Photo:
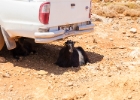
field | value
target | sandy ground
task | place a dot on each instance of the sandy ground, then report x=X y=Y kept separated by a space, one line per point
x=113 y=73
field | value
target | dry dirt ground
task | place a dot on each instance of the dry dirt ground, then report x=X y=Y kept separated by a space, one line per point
x=113 y=74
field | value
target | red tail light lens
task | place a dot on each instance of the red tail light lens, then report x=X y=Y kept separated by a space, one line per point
x=44 y=13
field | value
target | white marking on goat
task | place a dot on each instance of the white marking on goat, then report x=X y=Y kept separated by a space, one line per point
x=81 y=58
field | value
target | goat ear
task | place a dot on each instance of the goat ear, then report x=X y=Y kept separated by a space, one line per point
x=65 y=44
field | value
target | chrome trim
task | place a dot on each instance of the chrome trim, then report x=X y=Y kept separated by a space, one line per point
x=49 y=34
x=69 y=33
x=85 y=27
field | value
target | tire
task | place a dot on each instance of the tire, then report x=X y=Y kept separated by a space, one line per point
x=1 y=40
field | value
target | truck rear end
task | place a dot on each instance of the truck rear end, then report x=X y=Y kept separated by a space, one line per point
x=63 y=18
x=43 y=20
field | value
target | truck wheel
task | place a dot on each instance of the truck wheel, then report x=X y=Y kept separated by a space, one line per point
x=1 y=40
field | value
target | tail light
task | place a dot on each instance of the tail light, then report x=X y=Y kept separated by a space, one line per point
x=90 y=9
x=44 y=13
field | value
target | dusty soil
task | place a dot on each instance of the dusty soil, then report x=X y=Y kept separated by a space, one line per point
x=113 y=74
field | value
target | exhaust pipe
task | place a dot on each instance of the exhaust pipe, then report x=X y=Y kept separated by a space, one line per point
x=85 y=27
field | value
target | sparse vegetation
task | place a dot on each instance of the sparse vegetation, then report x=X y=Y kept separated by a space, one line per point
x=116 y=9
x=132 y=13
x=132 y=5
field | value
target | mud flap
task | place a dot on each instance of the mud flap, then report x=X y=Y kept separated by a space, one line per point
x=10 y=43
x=1 y=40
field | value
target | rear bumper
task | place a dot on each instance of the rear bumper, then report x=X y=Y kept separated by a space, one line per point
x=46 y=37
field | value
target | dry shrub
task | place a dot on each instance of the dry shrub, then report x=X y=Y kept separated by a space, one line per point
x=111 y=13
x=118 y=8
x=99 y=12
x=106 y=12
x=132 y=13
x=132 y=5
x=115 y=9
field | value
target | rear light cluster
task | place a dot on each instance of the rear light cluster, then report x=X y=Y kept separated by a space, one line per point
x=44 y=13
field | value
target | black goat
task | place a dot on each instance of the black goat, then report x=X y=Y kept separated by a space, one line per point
x=70 y=56
x=23 y=48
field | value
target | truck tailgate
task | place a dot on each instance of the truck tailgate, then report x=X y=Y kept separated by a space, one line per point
x=69 y=11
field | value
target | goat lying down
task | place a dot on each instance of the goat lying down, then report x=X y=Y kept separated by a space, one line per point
x=69 y=56
x=23 y=48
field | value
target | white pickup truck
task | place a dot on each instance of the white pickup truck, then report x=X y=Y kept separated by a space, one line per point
x=42 y=20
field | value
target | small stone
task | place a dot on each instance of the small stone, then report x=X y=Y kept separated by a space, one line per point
x=2 y=60
x=86 y=41
x=52 y=75
x=138 y=20
x=115 y=27
x=80 y=37
x=138 y=2
x=90 y=47
x=42 y=72
x=129 y=97
x=135 y=53
x=109 y=75
x=95 y=17
x=94 y=41
x=131 y=67
x=50 y=87
x=68 y=97
x=133 y=30
x=70 y=84
x=110 y=39
x=11 y=88
x=123 y=32
x=121 y=47
x=6 y=75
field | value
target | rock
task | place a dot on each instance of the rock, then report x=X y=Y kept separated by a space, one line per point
x=96 y=17
x=138 y=2
x=129 y=97
x=131 y=67
x=133 y=30
x=2 y=60
x=42 y=72
x=68 y=97
x=94 y=41
x=102 y=34
x=6 y=75
x=90 y=47
x=120 y=47
x=80 y=37
x=135 y=53
x=110 y=39
x=11 y=88
x=123 y=32
x=138 y=20
x=86 y=41
x=70 y=84
x=107 y=20
x=52 y=75
x=115 y=27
